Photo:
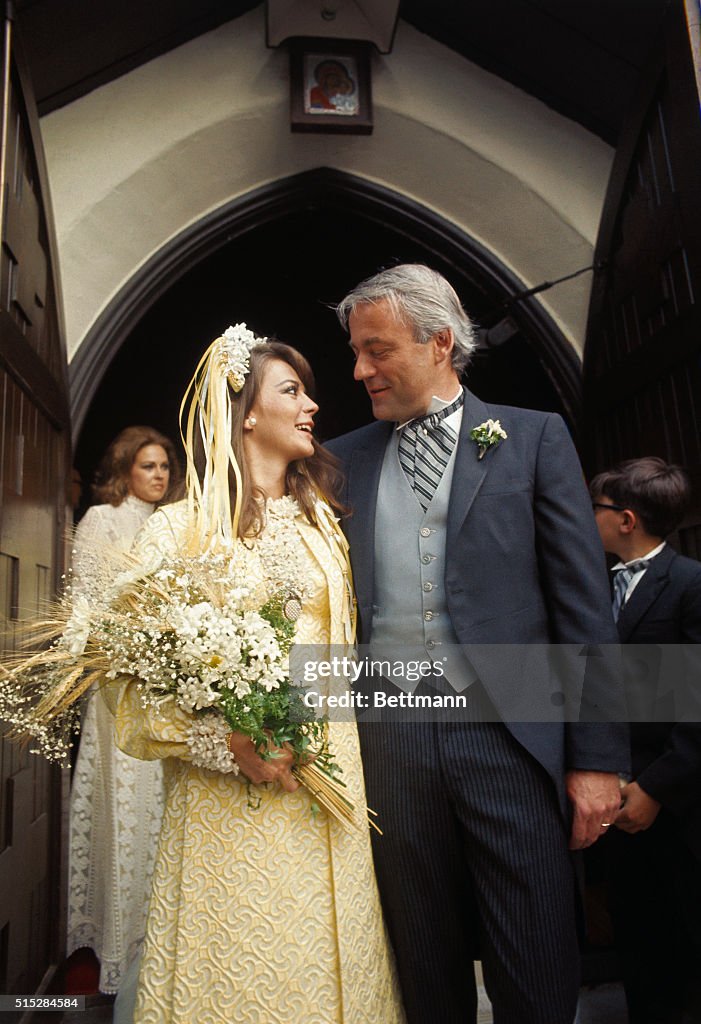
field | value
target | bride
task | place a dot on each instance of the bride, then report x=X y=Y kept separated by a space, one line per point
x=267 y=913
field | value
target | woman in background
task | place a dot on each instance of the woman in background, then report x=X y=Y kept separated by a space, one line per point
x=116 y=801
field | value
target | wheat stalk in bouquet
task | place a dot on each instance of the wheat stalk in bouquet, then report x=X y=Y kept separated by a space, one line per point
x=184 y=634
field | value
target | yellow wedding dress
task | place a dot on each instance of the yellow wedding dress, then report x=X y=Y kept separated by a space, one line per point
x=266 y=916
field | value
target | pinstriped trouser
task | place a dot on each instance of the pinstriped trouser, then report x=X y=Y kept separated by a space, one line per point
x=473 y=863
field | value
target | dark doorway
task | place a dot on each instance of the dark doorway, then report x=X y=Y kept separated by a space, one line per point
x=281 y=277
x=642 y=368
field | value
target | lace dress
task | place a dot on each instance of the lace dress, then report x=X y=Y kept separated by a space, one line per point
x=116 y=801
x=259 y=916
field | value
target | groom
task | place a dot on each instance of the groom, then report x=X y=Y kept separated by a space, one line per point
x=449 y=548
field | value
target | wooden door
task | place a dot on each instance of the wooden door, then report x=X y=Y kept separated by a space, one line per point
x=642 y=366
x=34 y=462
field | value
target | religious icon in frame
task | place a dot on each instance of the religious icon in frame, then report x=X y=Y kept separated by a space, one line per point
x=330 y=86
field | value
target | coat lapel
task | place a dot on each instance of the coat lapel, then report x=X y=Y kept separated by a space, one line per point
x=363 y=484
x=331 y=562
x=469 y=471
x=647 y=591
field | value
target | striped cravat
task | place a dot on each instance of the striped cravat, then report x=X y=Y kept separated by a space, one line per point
x=621 y=582
x=425 y=445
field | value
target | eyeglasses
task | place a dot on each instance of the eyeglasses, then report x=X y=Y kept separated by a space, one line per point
x=616 y=508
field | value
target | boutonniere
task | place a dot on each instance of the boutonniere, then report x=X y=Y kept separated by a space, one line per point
x=488 y=435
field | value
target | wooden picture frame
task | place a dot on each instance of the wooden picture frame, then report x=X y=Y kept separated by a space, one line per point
x=330 y=86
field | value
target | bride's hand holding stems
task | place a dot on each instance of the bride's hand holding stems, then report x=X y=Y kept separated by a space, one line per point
x=276 y=768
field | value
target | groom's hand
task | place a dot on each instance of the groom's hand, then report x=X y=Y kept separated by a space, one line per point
x=596 y=800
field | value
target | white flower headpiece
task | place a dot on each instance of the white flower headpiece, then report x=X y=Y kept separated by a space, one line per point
x=205 y=412
x=234 y=351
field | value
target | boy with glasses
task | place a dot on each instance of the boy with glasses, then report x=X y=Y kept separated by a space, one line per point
x=653 y=854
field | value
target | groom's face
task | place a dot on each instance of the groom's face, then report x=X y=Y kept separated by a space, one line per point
x=399 y=374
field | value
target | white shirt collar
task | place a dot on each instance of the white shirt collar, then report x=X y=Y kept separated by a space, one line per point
x=644 y=558
x=435 y=405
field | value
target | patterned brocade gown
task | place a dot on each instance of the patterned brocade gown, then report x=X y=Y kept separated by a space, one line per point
x=266 y=916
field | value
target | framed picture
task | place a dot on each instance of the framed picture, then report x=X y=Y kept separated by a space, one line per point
x=330 y=86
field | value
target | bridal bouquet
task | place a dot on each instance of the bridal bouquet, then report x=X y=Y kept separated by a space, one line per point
x=186 y=636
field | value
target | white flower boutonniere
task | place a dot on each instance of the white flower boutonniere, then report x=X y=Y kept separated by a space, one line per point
x=488 y=435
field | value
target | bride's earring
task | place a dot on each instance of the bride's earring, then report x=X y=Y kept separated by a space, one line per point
x=252 y=421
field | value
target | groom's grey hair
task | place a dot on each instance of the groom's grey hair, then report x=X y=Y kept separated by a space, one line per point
x=421 y=299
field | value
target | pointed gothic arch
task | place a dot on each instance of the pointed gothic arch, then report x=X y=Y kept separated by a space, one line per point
x=445 y=246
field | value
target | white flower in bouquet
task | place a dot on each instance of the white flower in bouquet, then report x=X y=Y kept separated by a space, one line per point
x=187 y=637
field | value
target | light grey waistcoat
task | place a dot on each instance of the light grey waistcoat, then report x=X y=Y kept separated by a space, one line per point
x=410 y=613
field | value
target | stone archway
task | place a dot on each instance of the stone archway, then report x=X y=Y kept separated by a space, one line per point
x=476 y=273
